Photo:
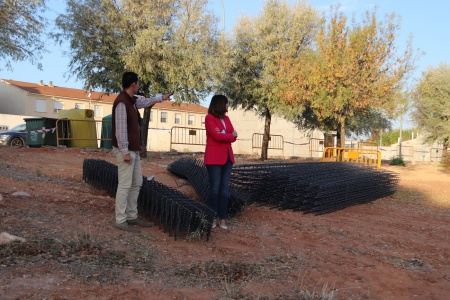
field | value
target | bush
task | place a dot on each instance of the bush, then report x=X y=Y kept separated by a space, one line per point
x=397 y=161
x=445 y=162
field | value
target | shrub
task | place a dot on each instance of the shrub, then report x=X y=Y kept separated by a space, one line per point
x=445 y=162
x=397 y=161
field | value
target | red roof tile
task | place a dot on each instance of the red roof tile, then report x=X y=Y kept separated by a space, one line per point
x=57 y=91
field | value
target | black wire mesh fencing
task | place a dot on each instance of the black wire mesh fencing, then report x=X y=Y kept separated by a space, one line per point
x=174 y=212
x=195 y=171
x=313 y=187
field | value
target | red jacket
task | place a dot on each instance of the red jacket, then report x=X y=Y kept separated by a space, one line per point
x=218 y=144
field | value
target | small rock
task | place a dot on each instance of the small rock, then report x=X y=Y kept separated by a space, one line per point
x=182 y=182
x=24 y=194
x=6 y=238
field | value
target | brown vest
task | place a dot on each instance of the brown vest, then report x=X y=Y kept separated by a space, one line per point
x=133 y=126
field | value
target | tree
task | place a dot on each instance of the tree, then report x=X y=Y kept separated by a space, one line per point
x=169 y=43
x=249 y=71
x=352 y=75
x=97 y=41
x=432 y=105
x=21 y=26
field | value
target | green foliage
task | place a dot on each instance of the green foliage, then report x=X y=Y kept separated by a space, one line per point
x=397 y=161
x=169 y=43
x=249 y=70
x=391 y=137
x=432 y=104
x=21 y=28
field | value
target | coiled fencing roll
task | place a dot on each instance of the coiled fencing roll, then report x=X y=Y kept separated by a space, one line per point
x=174 y=212
x=195 y=171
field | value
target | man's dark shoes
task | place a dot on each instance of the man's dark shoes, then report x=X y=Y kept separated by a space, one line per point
x=124 y=226
x=140 y=222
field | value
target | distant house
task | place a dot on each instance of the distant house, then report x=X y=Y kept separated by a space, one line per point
x=19 y=100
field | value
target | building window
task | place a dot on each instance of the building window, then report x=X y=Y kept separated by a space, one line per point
x=177 y=118
x=79 y=105
x=57 y=106
x=191 y=120
x=163 y=117
x=98 y=111
x=203 y=120
x=41 y=105
x=151 y=116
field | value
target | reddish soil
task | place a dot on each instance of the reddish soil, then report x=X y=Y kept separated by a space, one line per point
x=396 y=247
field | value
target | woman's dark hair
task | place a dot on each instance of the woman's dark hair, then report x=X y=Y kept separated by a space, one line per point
x=218 y=106
x=128 y=79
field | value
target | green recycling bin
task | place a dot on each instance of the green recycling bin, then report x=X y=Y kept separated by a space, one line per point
x=41 y=131
x=106 y=132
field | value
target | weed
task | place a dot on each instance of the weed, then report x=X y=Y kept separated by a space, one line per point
x=326 y=293
x=397 y=161
x=445 y=162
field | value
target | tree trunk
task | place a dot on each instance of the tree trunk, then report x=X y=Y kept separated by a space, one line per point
x=340 y=135
x=445 y=147
x=266 y=135
x=144 y=131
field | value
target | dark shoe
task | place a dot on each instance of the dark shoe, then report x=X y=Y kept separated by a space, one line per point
x=124 y=226
x=140 y=222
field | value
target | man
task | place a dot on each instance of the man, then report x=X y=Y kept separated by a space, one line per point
x=126 y=143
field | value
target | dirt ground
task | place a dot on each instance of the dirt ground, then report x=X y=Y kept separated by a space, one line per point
x=397 y=247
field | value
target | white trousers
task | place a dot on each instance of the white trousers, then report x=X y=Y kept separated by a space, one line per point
x=130 y=182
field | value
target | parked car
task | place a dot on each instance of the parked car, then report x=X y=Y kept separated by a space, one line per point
x=14 y=137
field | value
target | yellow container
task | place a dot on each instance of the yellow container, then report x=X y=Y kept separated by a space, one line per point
x=80 y=127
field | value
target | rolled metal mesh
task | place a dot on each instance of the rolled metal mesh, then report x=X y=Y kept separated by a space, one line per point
x=311 y=187
x=174 y=212
x=195 y=171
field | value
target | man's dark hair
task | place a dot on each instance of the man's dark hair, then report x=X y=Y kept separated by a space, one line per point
x=128 y=78
x=218 y=107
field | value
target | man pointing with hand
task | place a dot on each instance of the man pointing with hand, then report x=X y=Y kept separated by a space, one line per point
x=126 y=141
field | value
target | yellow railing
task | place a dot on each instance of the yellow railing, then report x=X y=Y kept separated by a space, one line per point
x=371 y=157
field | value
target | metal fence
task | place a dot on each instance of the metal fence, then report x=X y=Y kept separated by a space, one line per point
x=356 y=155
x=275 y=141
x=187 y=136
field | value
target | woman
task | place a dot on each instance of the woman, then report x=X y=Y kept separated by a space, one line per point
x=219 y=157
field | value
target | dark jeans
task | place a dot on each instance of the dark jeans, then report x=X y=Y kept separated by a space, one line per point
x=219 y=181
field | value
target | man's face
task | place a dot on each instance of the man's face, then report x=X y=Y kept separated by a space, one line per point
x=136 y=87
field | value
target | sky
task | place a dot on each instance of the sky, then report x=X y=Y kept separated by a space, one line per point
x=427 y=21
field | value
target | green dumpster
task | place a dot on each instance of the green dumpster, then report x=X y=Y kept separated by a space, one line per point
x=41 y=131
x=106 y=132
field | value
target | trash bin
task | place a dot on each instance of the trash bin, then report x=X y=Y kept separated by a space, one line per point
x=80 y=127
x=40 y=131
x=106 y=132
